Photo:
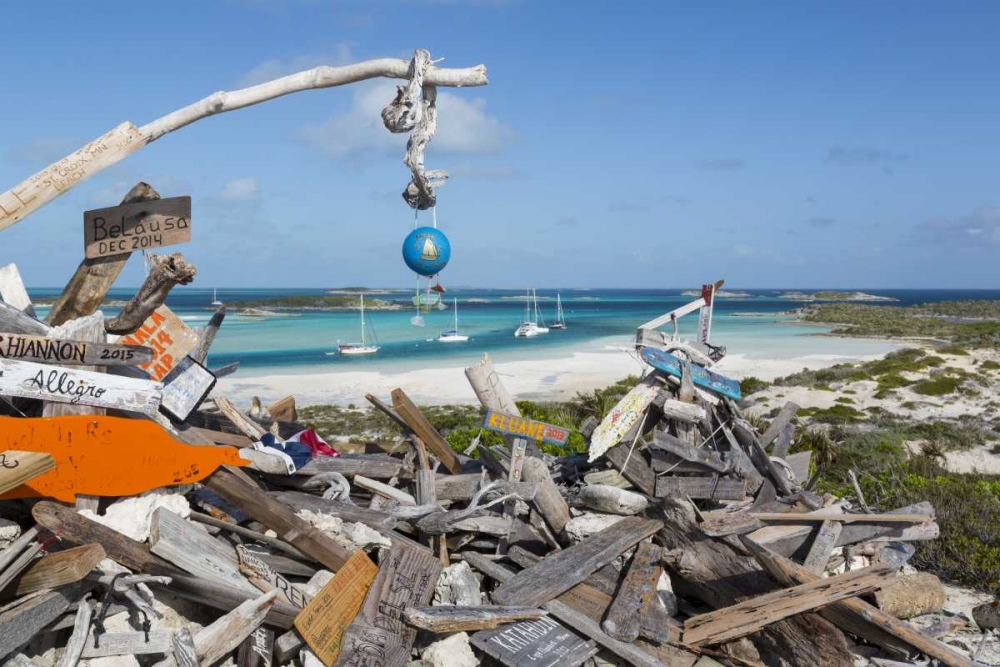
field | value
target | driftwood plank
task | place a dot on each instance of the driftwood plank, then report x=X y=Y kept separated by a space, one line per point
x=637 y=591
x=63 y=385
x=261 y=575
x=380 y=521
x=16 y=468
x=633 y=468
x=185 y=654
x=778 y=424
x=246 y=532
x=783 y=442
x=168 y=336
x=60 y=568
x=418 y=423
x=739 y=620
x=20 y=624
x=165 y=272
x=278 y=517
x=188 y=546
x=384 y=490
x=450 y=618
x=137 y=226
x=375 y=466
x=72 y=527
x=717 y=488
x=562 y=570
x=538 y=643
x=210 y=593
x=128 y=643
x=257 y=650
x=63 y=352
x=323 y=621
x=13 y=320
x=706 y=459
x=215 y=641
x=823 y=544
x=406 y=578
x=857 y=616
x=821 y=515
x=747 y=437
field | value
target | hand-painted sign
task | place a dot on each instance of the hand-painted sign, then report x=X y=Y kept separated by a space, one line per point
x=671 y=365
x=526 y=428
x=323 y=621
x=71 y=352
x=538 y=643
x=62 y=385
x=169 y=337
x=139 y=226
x=185 y=387
x=266 y=579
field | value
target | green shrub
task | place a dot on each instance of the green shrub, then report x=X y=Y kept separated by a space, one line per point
x=751 y=385
x=836 y=414
x=941 y=385
x=989 y=365
x=955 y=350
x=845 y=400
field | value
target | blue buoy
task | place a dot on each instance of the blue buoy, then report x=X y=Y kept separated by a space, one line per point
x=426 y=250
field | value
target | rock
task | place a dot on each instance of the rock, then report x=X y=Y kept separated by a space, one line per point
x=352 y=536
x=309 y=659
x=581 y=527
x=9 y=531
x=453 y=651
x=132 y=516
x=987 y=616
x=315 y=584
x=612 y=500
x=665 y=592
x=458 y=585
x=912 y=595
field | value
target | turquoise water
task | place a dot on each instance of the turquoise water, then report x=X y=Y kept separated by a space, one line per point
x=595 y=318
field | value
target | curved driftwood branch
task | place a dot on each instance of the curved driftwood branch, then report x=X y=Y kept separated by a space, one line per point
x=56 y=179
x=167 y=271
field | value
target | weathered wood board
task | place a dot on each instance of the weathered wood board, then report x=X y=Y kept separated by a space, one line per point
x=718 y=488
x=541 y=643
x=168 y=336
x=71 y=352
x=636 y=592
x=63 y=385
x=257 y=650
x=323 y=621
x=188 y=546
x=135 y=227
x=41 y=188
x=378 y=635
x=702 y=377
x=127 y=643
x=823 y=544
x=100 y=456
x=60 y=568
x=16 y=468
x=525 y=428
x=447 y=618
x=20 y=624
x=264 y=577
x=185 y=387
x=425 y=431
x=626 y=414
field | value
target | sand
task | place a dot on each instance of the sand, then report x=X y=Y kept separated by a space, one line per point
x=556 y=378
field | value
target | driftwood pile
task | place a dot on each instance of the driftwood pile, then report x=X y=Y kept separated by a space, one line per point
x=685 y=537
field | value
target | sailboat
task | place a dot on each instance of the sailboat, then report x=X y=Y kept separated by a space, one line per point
x=215 y=297
x=560 y=322
x=453 y=336
x=363 y=347
x=530 y=327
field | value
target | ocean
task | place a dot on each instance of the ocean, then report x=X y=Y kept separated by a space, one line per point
x=597 y=318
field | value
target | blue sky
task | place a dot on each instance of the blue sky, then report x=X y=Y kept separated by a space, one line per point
x=777 y=144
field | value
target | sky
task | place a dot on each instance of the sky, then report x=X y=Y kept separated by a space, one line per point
x=629 y=144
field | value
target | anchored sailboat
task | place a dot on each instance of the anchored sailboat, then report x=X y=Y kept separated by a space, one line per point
x=363 y=347
x=560 y=322
x=453 y=336
x=215 y=297
x=530 y=327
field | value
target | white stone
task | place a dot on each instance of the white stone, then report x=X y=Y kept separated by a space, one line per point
x=309 y=659
x=132 y=516
x=315 y=584
x=9 y=531
x=665 y=592
x=611 y=499
x=452 y=651
x=458 y=585
x=351 y=536
x=581 y=527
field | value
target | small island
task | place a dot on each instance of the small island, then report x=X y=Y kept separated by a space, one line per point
x=833 y=295
x=723 y=294
x=316 y=303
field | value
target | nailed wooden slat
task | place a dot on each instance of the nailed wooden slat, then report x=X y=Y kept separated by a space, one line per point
x=562 y=570
x=718 y=488
x=425 y=431
x=637 y=590
x=739 y=620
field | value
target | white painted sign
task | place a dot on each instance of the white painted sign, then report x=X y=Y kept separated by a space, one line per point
x=52 y=383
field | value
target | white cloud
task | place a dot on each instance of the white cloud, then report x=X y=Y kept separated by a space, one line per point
x=41 y=150
x=341 y=54
x=980 y=229
x=464 y=126
x=241 y=189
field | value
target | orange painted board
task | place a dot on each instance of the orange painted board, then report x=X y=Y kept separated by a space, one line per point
x=323 y=621
x=107 y=456
x=169 y=338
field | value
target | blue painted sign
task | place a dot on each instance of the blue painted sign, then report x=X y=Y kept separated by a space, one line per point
x=702 y=377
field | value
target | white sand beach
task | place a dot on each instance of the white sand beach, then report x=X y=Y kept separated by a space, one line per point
x=535 y=379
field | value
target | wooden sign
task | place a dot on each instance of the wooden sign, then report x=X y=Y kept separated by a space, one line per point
x=57 y=178
x=257 y=650
x=538 y=643
x=627 y=412
x=62 y=385
x=710 y=380
x=526 y=428
x=71 y=352
x=107 y=456
x=323 y=621
x=139 y=226
x=261 y=575
x=170 y=339
x=379 y=635
x=185 y=387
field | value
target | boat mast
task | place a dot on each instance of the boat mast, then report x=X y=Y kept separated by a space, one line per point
x=456 y=315
x=362 y=320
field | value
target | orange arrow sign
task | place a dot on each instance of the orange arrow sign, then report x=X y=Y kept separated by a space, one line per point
x=107 y=456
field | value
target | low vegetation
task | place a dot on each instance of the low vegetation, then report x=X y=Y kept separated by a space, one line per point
x=340 y=302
